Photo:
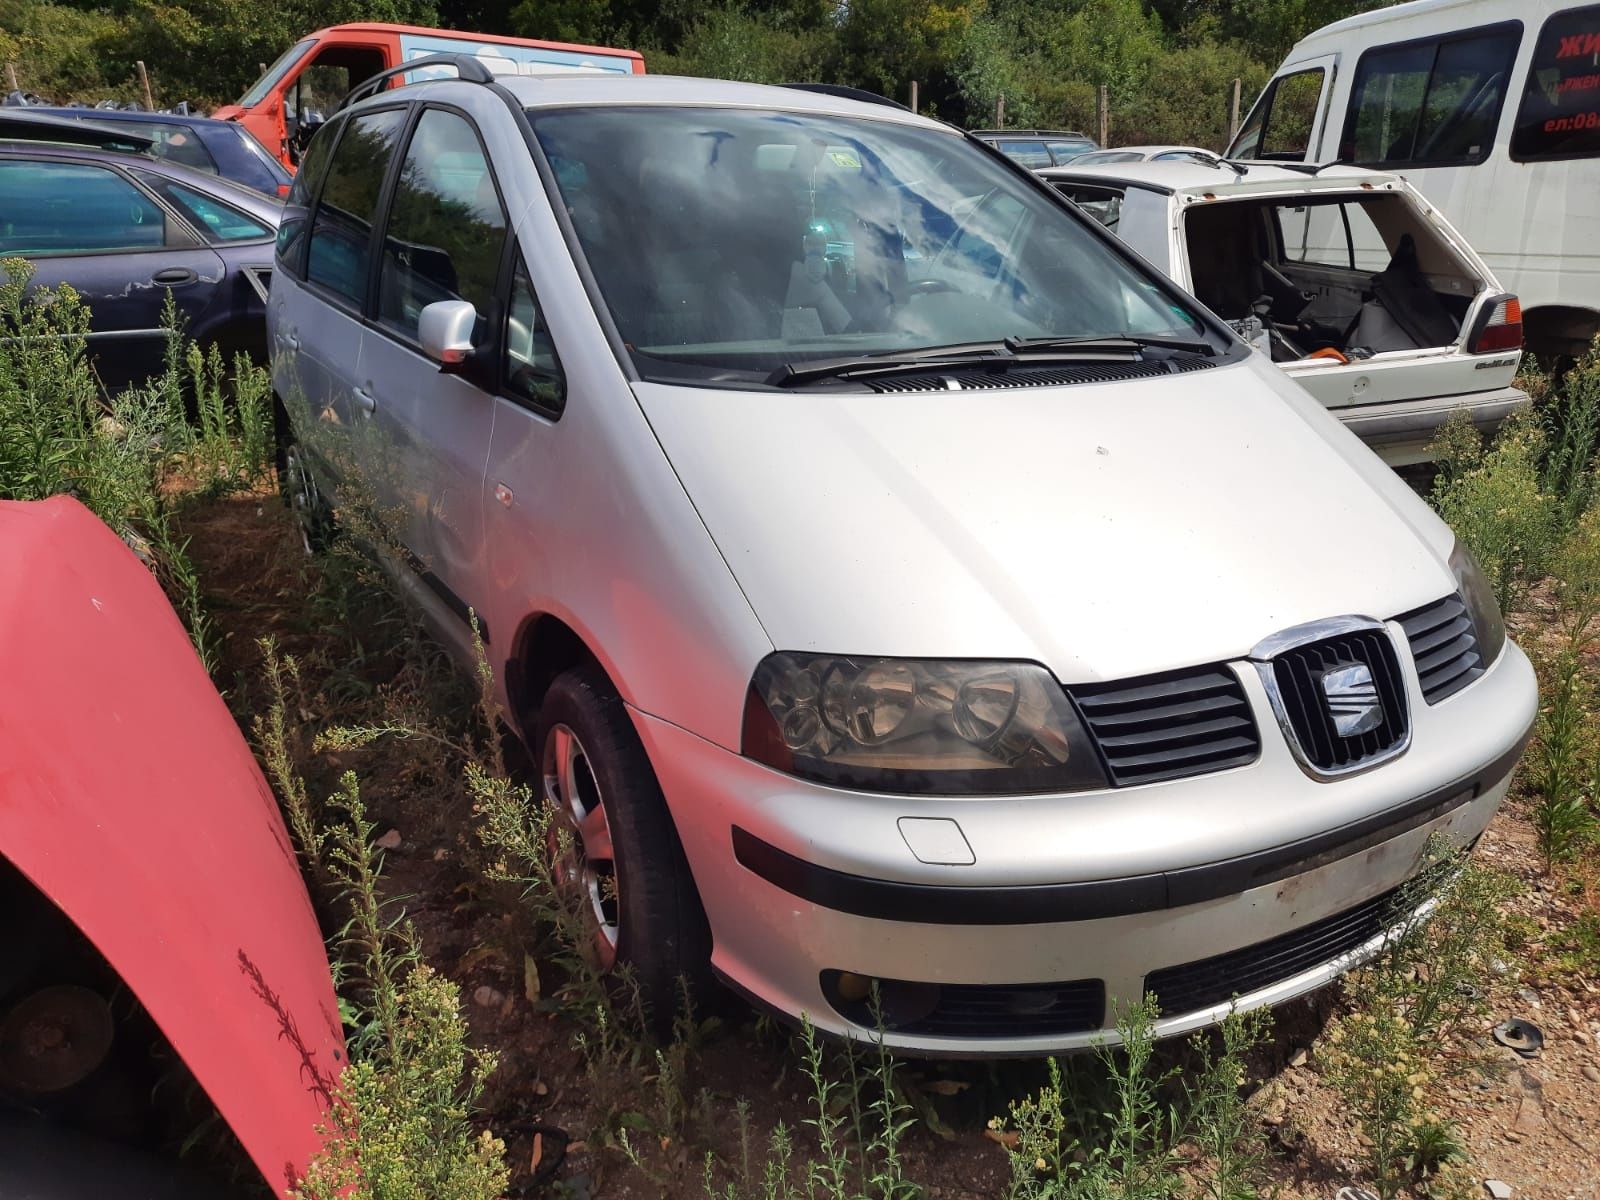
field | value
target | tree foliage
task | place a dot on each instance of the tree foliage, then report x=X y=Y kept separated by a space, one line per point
x=1168 y=66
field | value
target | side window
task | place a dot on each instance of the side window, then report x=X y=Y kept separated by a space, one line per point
x=340 y=246
x=219 y=222
x=533 y=369
x=1560 y=112
x=297 y=205
x=74 y=208
x=1332 y=235
x=1101 y=203
x=1279 y=127
x=181 y=144
x=1032 y=155
x=1431 y=102
x=446 y=227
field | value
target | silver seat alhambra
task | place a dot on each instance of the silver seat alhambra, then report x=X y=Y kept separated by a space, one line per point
x=905 y=591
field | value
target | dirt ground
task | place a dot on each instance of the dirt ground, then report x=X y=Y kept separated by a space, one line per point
x=1534 y=1123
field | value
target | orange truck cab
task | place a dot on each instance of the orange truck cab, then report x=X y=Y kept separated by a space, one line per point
x=296 y=93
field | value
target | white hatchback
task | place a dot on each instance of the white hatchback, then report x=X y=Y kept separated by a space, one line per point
x=1353 y=283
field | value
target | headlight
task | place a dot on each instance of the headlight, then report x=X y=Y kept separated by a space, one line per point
x=917 y=726
x=1481 y=604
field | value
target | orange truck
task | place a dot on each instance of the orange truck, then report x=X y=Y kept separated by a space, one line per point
x=296 y=93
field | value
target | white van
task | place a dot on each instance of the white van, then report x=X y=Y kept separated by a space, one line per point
x=1491 y=108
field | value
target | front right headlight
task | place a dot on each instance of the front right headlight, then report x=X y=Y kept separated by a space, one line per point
x=1478 y=594
x=918 y=726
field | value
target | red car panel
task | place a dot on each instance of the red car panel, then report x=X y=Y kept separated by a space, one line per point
x=130 y=799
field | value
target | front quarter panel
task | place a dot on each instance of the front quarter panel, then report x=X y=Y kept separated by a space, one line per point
x=593 y=526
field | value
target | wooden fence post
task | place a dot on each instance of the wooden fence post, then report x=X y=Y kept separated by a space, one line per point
x=1105 y=117
x=1000 y=111
x=144 y=82
x=1233 y=111
x=914 y=96
x=11 y=76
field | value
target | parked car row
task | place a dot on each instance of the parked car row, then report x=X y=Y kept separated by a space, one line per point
x=904 y=586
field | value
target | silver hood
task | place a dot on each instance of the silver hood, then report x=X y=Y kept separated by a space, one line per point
x=1105 y=531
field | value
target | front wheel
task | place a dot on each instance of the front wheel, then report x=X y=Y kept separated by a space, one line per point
x=617 y=856
x=313 y=515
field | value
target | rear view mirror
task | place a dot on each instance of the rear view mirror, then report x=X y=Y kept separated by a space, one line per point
x=445 y=331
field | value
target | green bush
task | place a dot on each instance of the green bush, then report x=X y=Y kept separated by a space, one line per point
x=1497 y=506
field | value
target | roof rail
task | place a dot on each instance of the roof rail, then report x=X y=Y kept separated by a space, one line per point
x=467 y=67
x=846 y=93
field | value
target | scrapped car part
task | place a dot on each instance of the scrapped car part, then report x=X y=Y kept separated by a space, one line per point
x=902 y=585
x=53 y=1039
x=1526 y=1038
x=135 y=808
x=1347 y=279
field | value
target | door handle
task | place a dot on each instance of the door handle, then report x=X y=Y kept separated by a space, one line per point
x=172 y=276
x=291 y=340
x=367 y=401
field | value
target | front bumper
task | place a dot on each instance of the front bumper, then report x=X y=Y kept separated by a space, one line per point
x=1111 y=886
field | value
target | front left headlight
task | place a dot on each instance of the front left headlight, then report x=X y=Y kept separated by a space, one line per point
x=1478 y=594
x=917 y=726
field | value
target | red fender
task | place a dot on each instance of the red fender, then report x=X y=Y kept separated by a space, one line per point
x=130 y=799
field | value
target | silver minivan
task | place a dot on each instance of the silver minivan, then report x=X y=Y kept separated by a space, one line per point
x=905 y=590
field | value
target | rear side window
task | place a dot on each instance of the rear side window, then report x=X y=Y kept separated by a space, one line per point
x=340 y=247
x=1279 y=127
x=217 y=221
x=1560 y=112
x=1101 y=203
x=74 y=208
x=446 y=227
x=1432 y=102
x=1032 y=155
x=179 y=144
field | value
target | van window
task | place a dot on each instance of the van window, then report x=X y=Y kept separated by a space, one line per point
x=341 y=230
x=446 y=228
x=533 y=368
x=1431 y=102
x=1279 y=127
x=1560 y=112
x=280 y=67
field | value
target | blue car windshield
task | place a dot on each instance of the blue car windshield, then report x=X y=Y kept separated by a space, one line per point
x=731 y=240
x=275 y=72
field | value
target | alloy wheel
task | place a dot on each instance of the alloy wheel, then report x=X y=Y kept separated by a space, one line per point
x=584 y=860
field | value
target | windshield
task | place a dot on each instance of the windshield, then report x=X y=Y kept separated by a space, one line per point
x=275 y=72
x=730 y=243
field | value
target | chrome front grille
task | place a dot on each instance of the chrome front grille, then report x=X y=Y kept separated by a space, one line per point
x=1170 y=725
x=1339 y=697
x=1445 y=647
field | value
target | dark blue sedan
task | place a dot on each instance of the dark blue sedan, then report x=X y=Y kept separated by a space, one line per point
x=223 y=148
x=127 y=230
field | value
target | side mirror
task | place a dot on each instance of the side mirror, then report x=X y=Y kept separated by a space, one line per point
x=445 y=331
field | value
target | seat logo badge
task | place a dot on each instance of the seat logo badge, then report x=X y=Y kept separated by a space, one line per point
x=1352 y=699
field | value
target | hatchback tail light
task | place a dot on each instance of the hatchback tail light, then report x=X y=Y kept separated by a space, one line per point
x=1498 y=328
x=283 y=190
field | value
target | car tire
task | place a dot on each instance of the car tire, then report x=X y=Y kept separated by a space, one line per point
x=625 y=866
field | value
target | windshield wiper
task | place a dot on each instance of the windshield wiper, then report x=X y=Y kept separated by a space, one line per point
x=791 y=374
x=1122 y=341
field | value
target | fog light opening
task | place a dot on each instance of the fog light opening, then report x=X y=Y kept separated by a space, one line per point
x=900 y=1002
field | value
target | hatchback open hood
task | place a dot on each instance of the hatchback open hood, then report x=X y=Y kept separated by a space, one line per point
x=129 y=798
x=1106 y=531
